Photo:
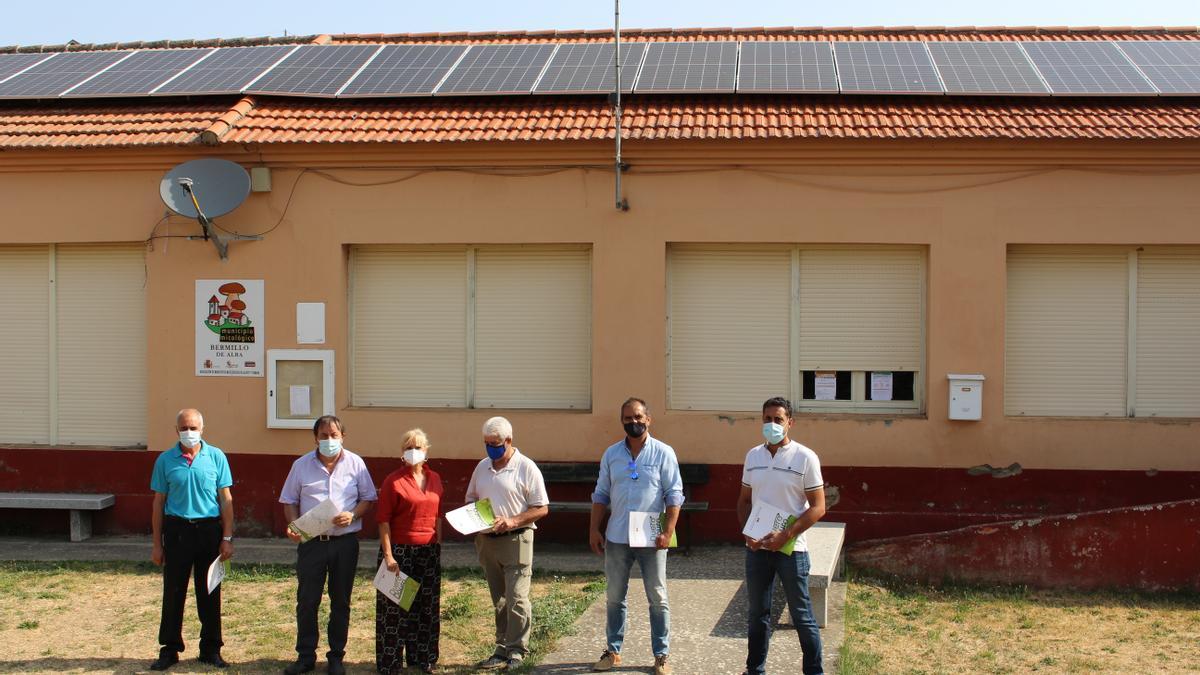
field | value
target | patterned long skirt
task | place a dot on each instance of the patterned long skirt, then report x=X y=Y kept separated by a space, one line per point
x=416 y=631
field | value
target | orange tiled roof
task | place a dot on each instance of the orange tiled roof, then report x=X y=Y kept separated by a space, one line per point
x=300 y=121
x=262 y=120
x=107 y=125
x=899 y=33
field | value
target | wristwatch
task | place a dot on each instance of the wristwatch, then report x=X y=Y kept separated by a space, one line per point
x=228 y=539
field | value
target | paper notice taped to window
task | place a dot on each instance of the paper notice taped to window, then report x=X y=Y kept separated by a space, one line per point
x=881 y=386
x=825 y=385
x=298 y=403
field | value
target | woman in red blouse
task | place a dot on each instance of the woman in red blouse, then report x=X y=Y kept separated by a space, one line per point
x=410 y=536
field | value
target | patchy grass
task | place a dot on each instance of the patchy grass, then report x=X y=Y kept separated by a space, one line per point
x=88 y=617
x=899 y=627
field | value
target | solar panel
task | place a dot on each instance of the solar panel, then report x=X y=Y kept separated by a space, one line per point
x=1086 y=68
x=498 y=69
x=138 y=74
x=689 y=67
x=885 y=68
x=54 y=76
x=400 y=70
x=985 y=68
x=11 y=64
x=314 y=70
x=787 y=67
x=588 y=68
x=1173 y=67
x=225 y=72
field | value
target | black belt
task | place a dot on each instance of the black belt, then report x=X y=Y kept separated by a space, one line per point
x=327 y=537
x=193 y=521
x=505 y=534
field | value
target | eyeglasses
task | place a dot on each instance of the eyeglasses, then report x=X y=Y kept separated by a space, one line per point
x=633 y=474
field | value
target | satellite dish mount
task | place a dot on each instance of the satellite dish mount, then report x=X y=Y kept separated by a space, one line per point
x=204 y=189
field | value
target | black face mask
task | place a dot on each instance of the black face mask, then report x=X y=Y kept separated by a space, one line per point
x=634 y=429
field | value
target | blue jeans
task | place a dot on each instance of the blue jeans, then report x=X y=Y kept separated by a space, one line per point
x=618 y=560
x=761 y=568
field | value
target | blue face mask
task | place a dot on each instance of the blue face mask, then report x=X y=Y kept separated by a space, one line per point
x=774 y=433
x=495 y=452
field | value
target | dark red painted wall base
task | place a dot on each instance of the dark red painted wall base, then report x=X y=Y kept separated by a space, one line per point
x=1153 y=547
x=875 y=502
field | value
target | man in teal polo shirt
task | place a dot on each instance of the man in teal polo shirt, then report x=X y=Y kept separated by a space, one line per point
x=192 y=523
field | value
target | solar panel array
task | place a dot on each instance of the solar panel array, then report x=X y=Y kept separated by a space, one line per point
x=787 y=67
x=1057 y=68
x=54 y=76
x=986 y=68
x=405 y=70
x=587 y=68
x=139 y=74
x=228 y=71
x=886 y=68
x=498 y=69
x=1087 y=68
x=314 y=70
x=1173 y=67
x=687 y=67
x=11 y=64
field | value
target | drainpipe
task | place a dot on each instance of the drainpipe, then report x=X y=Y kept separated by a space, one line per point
x=621 y=203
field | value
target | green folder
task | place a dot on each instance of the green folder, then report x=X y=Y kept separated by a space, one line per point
x=790 y=546
x=484 y=507
x=409 y=593
x=662 y=525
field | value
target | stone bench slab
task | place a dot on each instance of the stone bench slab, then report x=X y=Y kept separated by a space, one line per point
x=80 y=506
x=55 y=500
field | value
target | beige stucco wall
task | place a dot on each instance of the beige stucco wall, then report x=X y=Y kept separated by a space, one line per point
x=965 y=203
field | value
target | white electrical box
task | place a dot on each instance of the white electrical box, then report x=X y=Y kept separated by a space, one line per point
x=966 y=396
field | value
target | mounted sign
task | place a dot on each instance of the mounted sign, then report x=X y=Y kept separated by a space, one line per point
x=299 y=387
x=229 y=318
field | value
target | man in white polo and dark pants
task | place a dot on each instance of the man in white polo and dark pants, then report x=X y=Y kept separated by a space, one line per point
x=787 y=476
x=514 y=485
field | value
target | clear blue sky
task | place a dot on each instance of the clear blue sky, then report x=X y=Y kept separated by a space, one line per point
x=56 y=21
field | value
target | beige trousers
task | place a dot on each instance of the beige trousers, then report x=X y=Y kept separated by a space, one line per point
x=507 y=563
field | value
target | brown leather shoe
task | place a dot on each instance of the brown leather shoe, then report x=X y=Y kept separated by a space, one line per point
x=607 y=660
x=661 y=667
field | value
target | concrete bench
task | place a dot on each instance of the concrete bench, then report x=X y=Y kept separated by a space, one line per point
x=825 y=555
x=80 y=505
x=588 y=472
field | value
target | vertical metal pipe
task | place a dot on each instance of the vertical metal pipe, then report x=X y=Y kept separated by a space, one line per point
x=620 y=202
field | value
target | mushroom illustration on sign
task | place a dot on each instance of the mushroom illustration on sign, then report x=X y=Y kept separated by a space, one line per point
x=231 y=312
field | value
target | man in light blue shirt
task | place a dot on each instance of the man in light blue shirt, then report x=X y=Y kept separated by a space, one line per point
x=329 y=472
x=639 y=473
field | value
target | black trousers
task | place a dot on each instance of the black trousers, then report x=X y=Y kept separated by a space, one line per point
x=188 y=549
x=316 y=561
x=418 y=630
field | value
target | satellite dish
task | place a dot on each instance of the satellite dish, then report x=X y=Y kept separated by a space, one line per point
x=204 y=189
x=219 y=186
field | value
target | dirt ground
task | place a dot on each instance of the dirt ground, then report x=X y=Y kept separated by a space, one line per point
x=103 y=617
x=900 y=628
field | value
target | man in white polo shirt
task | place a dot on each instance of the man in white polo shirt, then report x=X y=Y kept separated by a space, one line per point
x=787 y=476
x=517 y=492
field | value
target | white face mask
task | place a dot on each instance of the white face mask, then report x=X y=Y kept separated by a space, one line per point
x=189 y=437
x=414 y=456
x=329 y=447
